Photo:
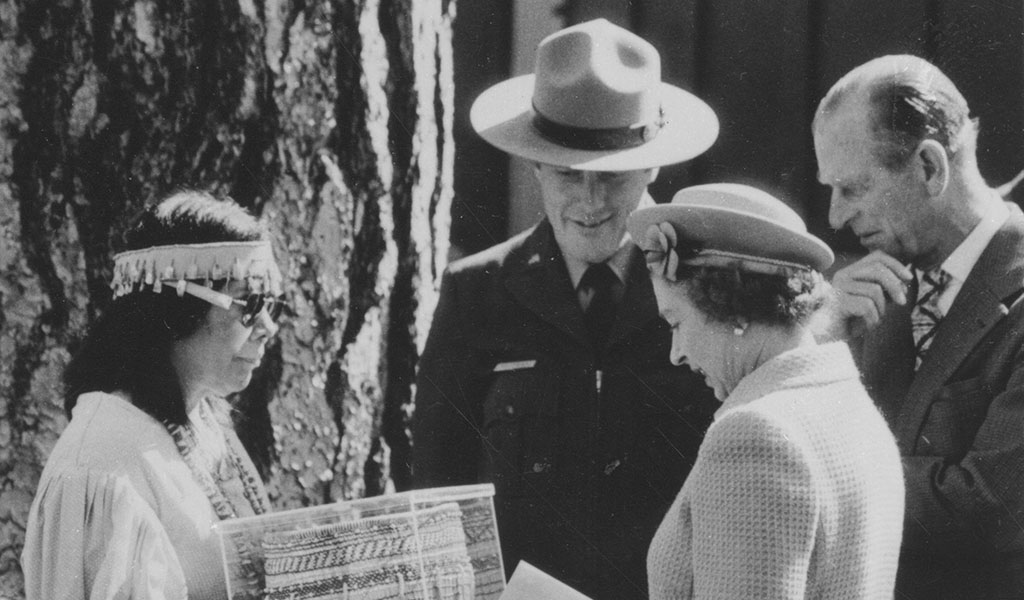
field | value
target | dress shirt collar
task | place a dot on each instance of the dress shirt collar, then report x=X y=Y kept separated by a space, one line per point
x=960 y=263
x=619 y=262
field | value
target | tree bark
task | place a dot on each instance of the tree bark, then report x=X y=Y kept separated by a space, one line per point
x=331 y=120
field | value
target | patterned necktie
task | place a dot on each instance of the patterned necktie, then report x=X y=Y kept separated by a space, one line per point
x=926 y=314
x=600 y=313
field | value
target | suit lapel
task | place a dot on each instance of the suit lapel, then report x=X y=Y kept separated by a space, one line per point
x=538 y=280
x=998 y=274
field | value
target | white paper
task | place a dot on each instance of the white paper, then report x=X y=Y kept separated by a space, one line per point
x=530 y=583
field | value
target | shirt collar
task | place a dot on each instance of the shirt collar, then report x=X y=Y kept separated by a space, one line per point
x=619 y=262
x=963 y=259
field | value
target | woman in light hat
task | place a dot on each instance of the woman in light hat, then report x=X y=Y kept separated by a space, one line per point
x=798 y=490
x=149 y=461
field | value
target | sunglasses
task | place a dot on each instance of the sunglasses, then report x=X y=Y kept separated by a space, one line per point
x=252 y=305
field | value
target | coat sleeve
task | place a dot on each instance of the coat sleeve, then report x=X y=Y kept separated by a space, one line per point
x=91 y=536
x=975 y=500
x=446 y=422
x=755 y=512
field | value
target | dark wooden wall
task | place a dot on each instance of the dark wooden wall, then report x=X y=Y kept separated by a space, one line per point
x=763 y=66
x=482 y=55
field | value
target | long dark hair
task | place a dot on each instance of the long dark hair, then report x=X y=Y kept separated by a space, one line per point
x=129 y=346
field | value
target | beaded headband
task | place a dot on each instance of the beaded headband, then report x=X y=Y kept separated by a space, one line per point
x=249 y=262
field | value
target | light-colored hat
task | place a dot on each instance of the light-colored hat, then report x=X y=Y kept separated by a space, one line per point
x=728 y=225
x=595 y=102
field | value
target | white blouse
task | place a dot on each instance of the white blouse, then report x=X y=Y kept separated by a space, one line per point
x=118 y=513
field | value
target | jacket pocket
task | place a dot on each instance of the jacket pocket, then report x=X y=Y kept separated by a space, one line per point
x=954 y=418
x=521 y=423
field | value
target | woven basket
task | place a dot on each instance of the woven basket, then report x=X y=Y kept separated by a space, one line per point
x=419 y=555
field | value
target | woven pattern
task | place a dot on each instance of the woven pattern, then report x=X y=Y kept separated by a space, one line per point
x=926 y=313
x=484 y=550
x=408 y=556
x=797 y=492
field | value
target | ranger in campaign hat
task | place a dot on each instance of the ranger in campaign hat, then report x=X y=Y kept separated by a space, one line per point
x=546 y=369
x=595 y=103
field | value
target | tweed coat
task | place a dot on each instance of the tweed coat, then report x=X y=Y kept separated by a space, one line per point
x=586 y=456
x=959 y=423
x=797 y=491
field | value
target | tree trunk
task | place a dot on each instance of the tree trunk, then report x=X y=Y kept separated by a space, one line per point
x=330 y=119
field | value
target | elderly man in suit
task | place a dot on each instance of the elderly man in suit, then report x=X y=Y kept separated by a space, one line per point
x=935 y=314
x=546 y=369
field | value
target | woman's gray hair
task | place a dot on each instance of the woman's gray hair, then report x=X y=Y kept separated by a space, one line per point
x=733 y=295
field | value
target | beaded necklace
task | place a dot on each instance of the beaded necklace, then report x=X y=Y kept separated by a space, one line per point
x=188 y=446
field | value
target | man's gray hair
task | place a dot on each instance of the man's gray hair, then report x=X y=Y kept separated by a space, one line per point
x=910 y=100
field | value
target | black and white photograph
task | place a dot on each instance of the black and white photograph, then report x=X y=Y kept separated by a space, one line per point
x=511 y=299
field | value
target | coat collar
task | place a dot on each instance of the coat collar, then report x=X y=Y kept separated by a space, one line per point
x=797 y=368
x=996 y=280
x=536 y=276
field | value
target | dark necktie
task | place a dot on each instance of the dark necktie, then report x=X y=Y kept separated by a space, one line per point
x=600 y=313
x=926 y=314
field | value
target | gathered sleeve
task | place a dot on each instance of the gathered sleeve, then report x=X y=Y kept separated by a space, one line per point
x=91 y=535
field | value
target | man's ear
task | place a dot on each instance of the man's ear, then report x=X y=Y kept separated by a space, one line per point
x=934 y=165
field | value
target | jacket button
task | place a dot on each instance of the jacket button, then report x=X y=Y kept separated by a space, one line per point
x=610 y=467
x=510 y=410
x=540 y=467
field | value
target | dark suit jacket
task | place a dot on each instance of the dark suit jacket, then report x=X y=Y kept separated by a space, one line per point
x=585 y=461
x=959 y=423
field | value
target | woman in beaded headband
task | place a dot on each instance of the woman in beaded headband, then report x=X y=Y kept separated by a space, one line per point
x=150 y=461
x=797 y=485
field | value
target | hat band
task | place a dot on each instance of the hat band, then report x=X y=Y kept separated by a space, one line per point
x=584 y=138
x=665 y=262
x=722 y=259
